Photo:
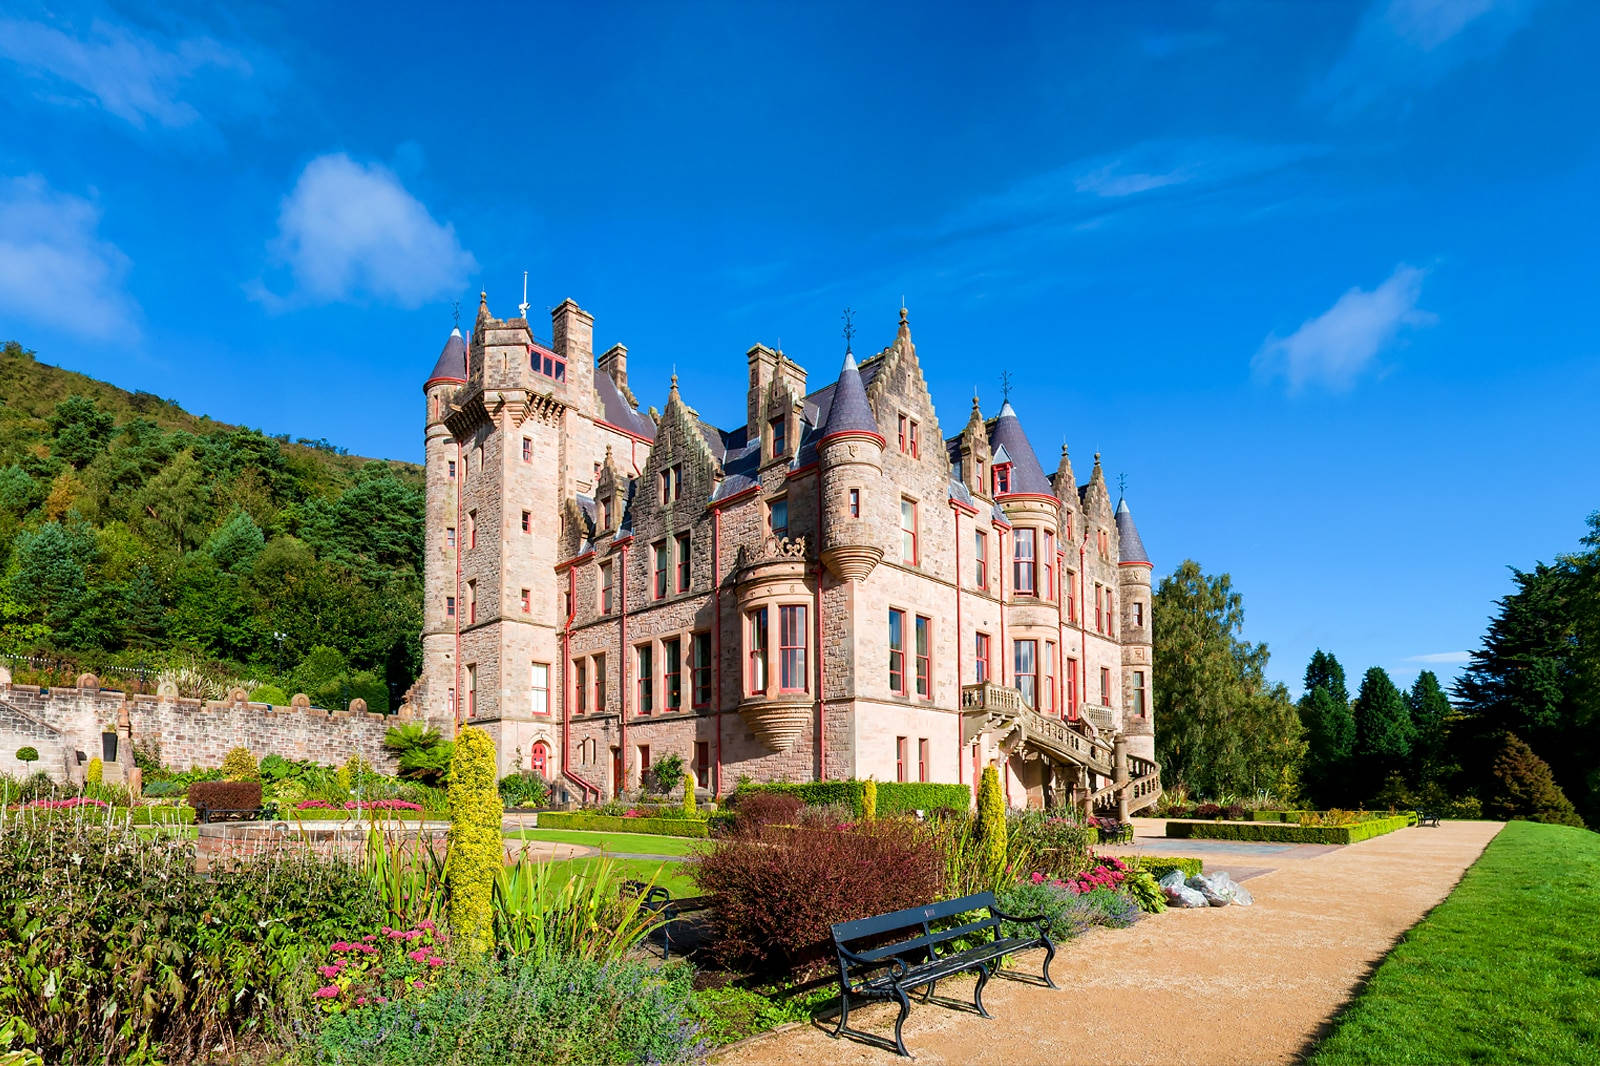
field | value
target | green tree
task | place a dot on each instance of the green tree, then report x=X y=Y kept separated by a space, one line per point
x=1430 y=720
x=476 y=851
x=173 y=504
x=236 y=543
x=991 y=827
x=1522 y=787
x=1221 y=727
x=1330 y=729
x=51 y=574
x=1383 y=732
x=81 y=430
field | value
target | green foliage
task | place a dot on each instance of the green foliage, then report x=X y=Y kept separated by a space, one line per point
x=671 y=827
x=1522 y=787
x=665 y=774
x=1383 y=732
x=563 y=1011
x=269 y=694
x=869 y=800
x=1141 y=887
x=889 y=797
x=1499 y=972
x=1223 y=727
x=689 y=808
x=423 y=754
x=28 y=753
x=990 y=857
x=732 y=1012
x=524 y=789
x=240 y=765
x=1158 y=866
x=1330 y=729
x=1287 y=834
x=1054 y=843
x=96 y=771
x=476 y=852
x=542 y=914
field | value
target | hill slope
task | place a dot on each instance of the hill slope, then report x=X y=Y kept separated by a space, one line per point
x=137 y=538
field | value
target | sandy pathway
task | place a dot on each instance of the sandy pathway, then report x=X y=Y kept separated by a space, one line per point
x=1225 y=985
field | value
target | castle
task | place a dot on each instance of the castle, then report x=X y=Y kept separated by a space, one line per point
x=833 y=589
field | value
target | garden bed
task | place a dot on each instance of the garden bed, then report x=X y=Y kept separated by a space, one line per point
x=1270 y=832
x=606 y=823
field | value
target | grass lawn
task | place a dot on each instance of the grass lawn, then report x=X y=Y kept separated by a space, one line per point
x=633 y=843
x=670 y=875
x=1506 y=970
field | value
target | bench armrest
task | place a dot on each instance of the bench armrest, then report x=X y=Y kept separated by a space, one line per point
x=1041 y=920
x=850 y=957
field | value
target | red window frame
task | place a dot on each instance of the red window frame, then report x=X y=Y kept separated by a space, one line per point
x=1099 y=608
x=658 y=581
x=1070 y=579
x=855 y=503
x=1048 y=684
x=1002 y=478
x=599 y=682
x=1140 y=707
x=527 y=601
x=916 y=447
x=923 y=636
x=1022 y=568
x=922 y=758
x=683 y=561
x=1048 y=558
x=757 y=675
x=980 y=558
x=472 y=602
x=472 y=529
x=449 y=606
x=1027 y=680
x=897 y=652
x=644 y=661
x=1072 y=687
x=472 y=690
x=527 y=450
x=607 y=585
x=904 y=421
x=901 y=750
x=793 y=647
x=700 y=667
x=702 y=763
x=672 y=673
x=580 y=684
x=534 y=688
x=1105 y=686
x=982 y=664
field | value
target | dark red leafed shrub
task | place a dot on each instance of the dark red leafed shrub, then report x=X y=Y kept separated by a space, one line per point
x=225 y=795
x=757 y=809
x=778 y=890
x=1207 y=810
x=1235 y=812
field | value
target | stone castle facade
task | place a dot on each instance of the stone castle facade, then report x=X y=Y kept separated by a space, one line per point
x=833 y=589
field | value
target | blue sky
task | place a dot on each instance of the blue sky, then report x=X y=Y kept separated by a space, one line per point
x=1318 y=278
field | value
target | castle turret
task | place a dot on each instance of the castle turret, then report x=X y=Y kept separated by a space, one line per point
x=440 y=456
x=1133 y=581
x=851 y=454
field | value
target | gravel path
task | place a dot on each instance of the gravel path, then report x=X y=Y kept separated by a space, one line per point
x=1226 y=985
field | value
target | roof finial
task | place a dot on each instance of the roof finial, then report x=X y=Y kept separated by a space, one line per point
x=523 y=306
x=849 y=328
x=1122 y=484
x=1005 y=386
x=455 y=312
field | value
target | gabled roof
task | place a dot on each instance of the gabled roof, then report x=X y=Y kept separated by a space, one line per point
x=1130 y=545
x=619 y=412
x=452 y=364
x=1007 y=438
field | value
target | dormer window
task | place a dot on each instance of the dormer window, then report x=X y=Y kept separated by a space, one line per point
x=1002 y=478
x=605 y=515
x=908 y=437
x=672 y=483
x=549 y=364
x=780 y=438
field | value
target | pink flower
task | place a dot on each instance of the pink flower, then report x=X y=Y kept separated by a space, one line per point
x=418 y=955
x=395 y=934
x=435 y=960
x=1037 y=878
x=361 y=1001
x=419 y=983
x=330 y=972
x=426 y=923
x=369 y=938
x=326 y=992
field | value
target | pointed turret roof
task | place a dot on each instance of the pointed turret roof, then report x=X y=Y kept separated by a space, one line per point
x=1007 y=436
x=452 y=364
x=1131 y=547
x=849 y=411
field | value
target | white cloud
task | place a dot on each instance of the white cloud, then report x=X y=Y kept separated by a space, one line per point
x=137 y=78
x=1333 y=348
x=55 y=270
x=347 y=231
x=1447 y=657
x=1404 y=45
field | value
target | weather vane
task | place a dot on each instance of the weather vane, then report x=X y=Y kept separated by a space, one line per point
x=849 y=328
x=455 y=312
x=1122 y=484
x=1005 y=385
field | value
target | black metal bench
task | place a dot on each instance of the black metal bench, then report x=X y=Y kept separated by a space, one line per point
x=658 y=899
x=1115 y=832
x=1427 y=818
x=926 y=956
x=207 y=815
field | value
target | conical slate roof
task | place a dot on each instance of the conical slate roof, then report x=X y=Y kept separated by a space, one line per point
x=850 y=412
x=452 y=364
x=1131 y=547
x=1026 y=473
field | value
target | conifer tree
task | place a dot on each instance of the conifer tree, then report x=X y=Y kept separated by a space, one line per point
x=1330 y=730
x=1383 y=731
x=1430 y=713
x=991 y=827
x=1522 y=787
x=476 y=849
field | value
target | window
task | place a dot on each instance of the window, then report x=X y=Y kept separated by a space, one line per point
x=1105 y=550
x=527 y=602
x=702 y=763
x=900 y=744
x=1067 y=518
x=644 y=761
x=1048 y=693
x=450 y=700
x=1138 y=614
x=658 y=553
x=1138 y=694
x=897 y=652
x=909 y=444
x=1027 y=671
x=1049 y=562
x=700 y=665
x=472 y=602
x=1002 y=478
x=527 y=522
x=922 y=759
x=527 y=450
x=672 y=483
x=1072 y=687
x=472 y=690
x=778 y=518
x=756 y=627
x=908 y=530
x=449 y=606
x=977 y=474
x=672 y=672
x=599 y=683
x=451 y=467
x=1105 y=686
x=647 y=677
x=472 y=529
x=450 y=535
x=980 y=660
x=547 y=363
x=539 y=759
x=1022 y=569
x=606 y=573
x=779 y=438
x=924 y=657
x=580 y=684
x=904 y=437
x=605 y=515
x=683 y=562
x=1099 y=606
x=540 y=684
x=1111 y=612
x=980 y=559
x=855 y=503
x=1070 y=591
x=792 y=648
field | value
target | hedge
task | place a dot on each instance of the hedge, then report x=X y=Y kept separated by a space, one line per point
x=337 y=814
x=894 y=797
x=1286 y=834
x=605 y=823
x=1161 y=865
x=1274 y=816
x=163 y=815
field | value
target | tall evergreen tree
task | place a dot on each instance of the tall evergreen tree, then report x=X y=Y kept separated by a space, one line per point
x=1329 y=728
x=1430 y=715
x=1383 y=732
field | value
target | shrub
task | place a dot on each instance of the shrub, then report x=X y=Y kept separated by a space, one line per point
x=28 y=753
x=991 y=827
x=476 y=851
x=240 y=765
x=689 y=808
x=160 y=789
x=758 y=809
x=96 y=772
x=225 y=795
x=423 y=754
x=665 y=774
x=1159 y=866
x=778 y=890
x=565 y=1010
x=1290 y=834
x=869 y=800
x=544 y=912
x=269 y=694
x=1207 y=810
x=524 y=788
x=1141 y=887
x=826 y=817
x=889 y=797
x=1047 y=841
x=1068 y=911
x=1522 y=787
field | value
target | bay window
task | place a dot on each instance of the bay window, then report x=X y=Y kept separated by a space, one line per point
x=756 y=644
x=792 y=648
x=1022 y=570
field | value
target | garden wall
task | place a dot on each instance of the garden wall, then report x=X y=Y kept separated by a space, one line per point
x=1259 y=832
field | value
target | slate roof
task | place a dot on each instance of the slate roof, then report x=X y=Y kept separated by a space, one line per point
x=1007 y=438
x=822 y=399
x=849 y=411
x=452 y=364
x=1130 y=545
x=618 y=411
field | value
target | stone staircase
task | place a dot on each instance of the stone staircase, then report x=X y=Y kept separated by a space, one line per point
x=1110 y=780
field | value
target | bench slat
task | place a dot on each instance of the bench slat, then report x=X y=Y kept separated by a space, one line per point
x=927 y=940
x=844 y=932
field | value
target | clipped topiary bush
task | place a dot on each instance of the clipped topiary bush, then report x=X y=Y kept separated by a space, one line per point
x=476 y=848
x=689 y=808
x=991 y=827
x=269 y=694
x=869 y=800
x=240 y=765
x=96 y=773
x=756 y=810
x=28 y=754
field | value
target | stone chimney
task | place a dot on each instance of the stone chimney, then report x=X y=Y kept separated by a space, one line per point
x=763 y=368
x=572 y=336
x=615 y=363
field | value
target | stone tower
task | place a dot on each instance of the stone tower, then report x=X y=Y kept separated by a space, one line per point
x=441 y=461
x=851 y=452
x=1133 y=581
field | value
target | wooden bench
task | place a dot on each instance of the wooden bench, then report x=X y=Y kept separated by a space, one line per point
x=1427 y=818
x=916 y=955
